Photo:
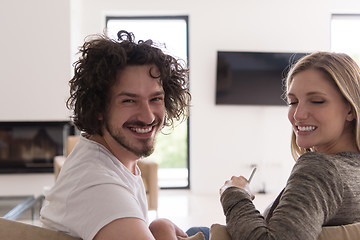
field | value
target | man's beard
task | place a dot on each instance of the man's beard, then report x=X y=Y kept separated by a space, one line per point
x=148 y=144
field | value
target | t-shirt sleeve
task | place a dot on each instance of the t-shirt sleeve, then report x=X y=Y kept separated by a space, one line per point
x=312 y=195
x=99 y=205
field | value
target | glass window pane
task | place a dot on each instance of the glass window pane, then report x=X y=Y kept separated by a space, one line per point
x=344 y=35
x=171 y=32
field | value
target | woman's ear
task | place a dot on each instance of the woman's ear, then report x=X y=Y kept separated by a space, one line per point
x=351 y=114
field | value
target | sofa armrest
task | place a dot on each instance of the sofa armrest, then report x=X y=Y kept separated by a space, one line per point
x=149 y=173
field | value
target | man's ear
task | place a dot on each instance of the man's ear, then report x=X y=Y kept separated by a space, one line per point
x=100 y=117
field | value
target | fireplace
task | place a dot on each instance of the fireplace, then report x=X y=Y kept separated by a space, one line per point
x=30 y=147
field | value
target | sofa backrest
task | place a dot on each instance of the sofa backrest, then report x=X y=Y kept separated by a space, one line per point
x=13 y=230
x=344 y=232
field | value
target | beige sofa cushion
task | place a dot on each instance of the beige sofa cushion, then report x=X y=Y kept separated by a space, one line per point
x=218 y=232
x=344 y=232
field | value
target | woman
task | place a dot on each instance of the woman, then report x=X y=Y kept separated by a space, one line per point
x=323 y=94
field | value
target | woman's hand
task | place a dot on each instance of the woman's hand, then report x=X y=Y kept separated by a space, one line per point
x=240 y=182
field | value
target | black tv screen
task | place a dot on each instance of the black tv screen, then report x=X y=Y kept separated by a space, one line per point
x=252 y=78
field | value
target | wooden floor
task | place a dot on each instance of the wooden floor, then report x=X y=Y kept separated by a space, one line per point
x=186 y=209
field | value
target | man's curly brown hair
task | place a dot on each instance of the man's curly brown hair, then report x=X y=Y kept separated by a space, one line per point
x=96 y=70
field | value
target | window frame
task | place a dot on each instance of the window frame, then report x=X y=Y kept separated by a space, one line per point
x=163 y=17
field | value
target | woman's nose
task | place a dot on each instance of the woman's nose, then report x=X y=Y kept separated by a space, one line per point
x=300 y=113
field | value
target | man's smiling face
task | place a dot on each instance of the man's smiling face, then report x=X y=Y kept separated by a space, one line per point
x=137 y=110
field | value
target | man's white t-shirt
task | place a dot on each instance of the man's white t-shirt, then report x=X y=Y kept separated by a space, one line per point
x=93 y=189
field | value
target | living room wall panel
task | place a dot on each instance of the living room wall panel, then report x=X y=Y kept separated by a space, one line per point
x=224 y=140
x=34 y=60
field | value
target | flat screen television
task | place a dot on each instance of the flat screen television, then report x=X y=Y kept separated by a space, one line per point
x=252 y=78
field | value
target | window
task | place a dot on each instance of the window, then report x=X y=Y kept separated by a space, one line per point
x=344 y=35
x=172 y=148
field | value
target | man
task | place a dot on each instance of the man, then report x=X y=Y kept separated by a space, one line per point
x=121 y=95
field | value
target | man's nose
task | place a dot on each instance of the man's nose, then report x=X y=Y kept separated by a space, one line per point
x=146 y=113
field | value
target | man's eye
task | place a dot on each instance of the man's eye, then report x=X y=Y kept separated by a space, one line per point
x=128 y=101
x=157 y=99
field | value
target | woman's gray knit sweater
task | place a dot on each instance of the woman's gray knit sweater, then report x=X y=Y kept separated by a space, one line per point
x=322 y=190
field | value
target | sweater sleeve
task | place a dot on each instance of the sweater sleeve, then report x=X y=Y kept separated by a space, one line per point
x=311 y=197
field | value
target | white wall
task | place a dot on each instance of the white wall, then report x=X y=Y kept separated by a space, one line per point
x=34 y=59
x=224 y=140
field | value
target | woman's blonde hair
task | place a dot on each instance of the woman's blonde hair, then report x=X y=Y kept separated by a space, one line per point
x=343 y=71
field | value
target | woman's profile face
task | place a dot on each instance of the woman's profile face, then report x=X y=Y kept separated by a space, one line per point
x=319 y=114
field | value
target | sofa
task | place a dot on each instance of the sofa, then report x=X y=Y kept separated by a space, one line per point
x=345 y=232
x=149 y=172
x=12 y=230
